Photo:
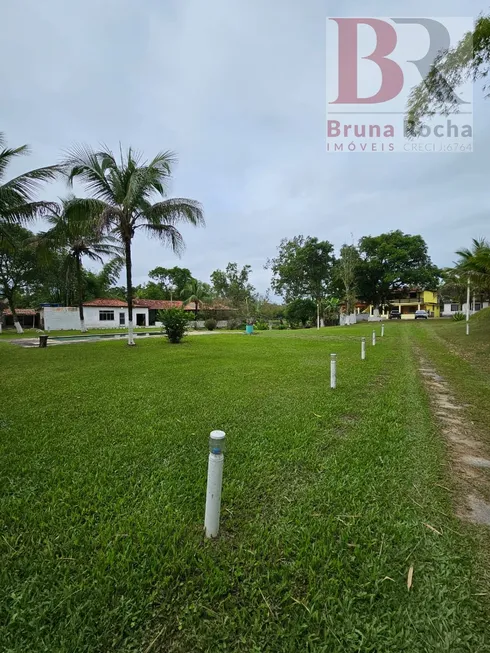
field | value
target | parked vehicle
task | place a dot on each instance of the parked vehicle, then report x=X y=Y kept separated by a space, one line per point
x=421 y=315
x=395 y=315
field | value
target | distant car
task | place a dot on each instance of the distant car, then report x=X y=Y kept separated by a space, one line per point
x=395 y=315
x=421 y=315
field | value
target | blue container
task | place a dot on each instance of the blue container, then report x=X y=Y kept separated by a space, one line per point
x=249 y=329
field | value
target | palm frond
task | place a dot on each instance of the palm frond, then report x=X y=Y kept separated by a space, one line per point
x=167 y=233
x=25 y=213
x=91 y=168
x=175 y=211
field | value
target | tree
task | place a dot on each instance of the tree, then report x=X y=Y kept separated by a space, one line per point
x=17 y=205
x=18 y=266
x=233 y=284
x=475 y=262
x=392 y=262
x=454 y=286
x=301 y=311
x=196 y=292
x=77 y=236
x=436 y=93
x=172 y=281
x=346 y=273
x=123 y=192
x=303 y=268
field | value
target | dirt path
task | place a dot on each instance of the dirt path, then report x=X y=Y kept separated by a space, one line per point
x=470 y=463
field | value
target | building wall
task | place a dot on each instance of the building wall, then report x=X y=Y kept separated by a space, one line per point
x=60 y=318
x=448 y=308
x=66 y=317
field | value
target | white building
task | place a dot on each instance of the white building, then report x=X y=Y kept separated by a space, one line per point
x=476 y=305
x=98 y=314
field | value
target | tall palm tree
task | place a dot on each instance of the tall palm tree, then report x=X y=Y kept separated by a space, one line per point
x=17 y=205
x=123 y=191
x=77 y=236
x=196 y=292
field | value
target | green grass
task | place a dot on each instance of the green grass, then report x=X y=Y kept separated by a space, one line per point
x=103 y=457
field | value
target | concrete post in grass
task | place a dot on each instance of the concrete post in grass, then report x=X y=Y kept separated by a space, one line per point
x=467 y=328
x=333 y=371
x=374 y=338
x=215 y=481
x=382 y=330
x=363 y=349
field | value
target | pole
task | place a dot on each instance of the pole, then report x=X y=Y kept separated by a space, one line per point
x=363 y=349
x=215 y=482
x=468 y=292
x=333 y=371
x=382 y=330
x=374 y=338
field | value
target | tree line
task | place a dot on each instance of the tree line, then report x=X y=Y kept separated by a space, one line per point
x=313 y=282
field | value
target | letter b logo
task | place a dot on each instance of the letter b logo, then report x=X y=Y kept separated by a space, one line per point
x=391 y=73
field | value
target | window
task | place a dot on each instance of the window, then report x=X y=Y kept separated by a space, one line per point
x=106 y=316
x=122 y=319
x=454 y=308
x=413 y=295
x=477 y=307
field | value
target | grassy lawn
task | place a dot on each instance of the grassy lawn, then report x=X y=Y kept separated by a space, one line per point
x=329 y=498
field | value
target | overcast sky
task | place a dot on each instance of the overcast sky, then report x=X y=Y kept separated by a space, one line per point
x=237 y=89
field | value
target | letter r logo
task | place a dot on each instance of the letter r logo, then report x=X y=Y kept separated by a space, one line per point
x=391 y=73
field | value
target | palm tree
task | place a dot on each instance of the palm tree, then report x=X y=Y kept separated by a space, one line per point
x=17 y=205
x=476 y=261
x=196 y=292
x=77 y=237
x=122 y=193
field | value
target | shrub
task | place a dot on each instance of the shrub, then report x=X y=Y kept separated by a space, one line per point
x=210 y=324
x=175 y=324
x=262 y=326
x=459 y=317
x=234 y=323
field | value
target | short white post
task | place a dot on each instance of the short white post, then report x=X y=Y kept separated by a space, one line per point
x=468 y=297
x=374 y=338
x=363 y=349
x=215 y=481
x=382 y=330
x=467 y=328
x=333 y=371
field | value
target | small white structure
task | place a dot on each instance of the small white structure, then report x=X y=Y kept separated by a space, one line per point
x=454 y=307
x=98 y=314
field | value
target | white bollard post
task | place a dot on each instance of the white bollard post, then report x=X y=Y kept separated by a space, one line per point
x=215 y=481
x=363 y=349
x=467 y=328
x=374 y=338
x=382 y=330
x=333 y=371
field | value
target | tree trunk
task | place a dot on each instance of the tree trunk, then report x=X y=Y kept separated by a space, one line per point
x=17 y=325
x=80 y=294
x=197 y=310
x=317 y=313
x=129 y=284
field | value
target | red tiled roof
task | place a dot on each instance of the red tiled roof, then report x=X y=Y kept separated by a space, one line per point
x=20 y=311
x=110 y=303
x=157 y=304
x=215 y=306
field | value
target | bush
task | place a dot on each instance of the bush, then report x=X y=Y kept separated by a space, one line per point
x=175 y=324
x=262 y=326
x=234 y=323
x=281 y=327
x=459 y=317
x=210 y=324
